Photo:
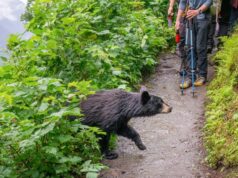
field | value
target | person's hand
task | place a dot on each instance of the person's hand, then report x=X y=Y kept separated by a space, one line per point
x=192 y=13
x=177 y=25
x=170 y=11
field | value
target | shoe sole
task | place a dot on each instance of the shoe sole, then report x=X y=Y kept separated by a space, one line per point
x=199 y=85
x=182 y=87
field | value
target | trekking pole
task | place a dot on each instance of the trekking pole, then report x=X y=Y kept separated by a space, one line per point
x=183 y=60
x=192 y=55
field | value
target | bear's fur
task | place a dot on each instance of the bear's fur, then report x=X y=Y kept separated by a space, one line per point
x=111 y=111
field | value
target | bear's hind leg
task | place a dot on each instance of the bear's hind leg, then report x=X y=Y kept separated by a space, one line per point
x=104 y=144
x=129 y=132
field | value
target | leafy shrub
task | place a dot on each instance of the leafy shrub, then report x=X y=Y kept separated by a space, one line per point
x=221 y=129
x=109 y=42
x=37 y=139
x=106 y=42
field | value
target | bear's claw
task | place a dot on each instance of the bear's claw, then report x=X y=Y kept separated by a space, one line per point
x=111 y=155
x=141 y=147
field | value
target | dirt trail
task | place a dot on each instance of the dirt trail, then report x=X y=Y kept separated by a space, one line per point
x=173 y=141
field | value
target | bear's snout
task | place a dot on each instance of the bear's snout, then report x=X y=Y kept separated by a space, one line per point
x=166 y=108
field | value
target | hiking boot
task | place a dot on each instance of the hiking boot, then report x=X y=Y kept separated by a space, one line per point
x=200 y=81
x=186 y=84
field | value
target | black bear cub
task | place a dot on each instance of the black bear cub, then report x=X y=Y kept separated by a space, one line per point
x=111 y=111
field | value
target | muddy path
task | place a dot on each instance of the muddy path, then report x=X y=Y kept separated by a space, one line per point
x=173 y=141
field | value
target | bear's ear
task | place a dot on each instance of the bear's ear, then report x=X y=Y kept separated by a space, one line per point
x=145 y=97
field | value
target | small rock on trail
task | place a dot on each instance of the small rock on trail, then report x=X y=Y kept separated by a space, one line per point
x=173 y=141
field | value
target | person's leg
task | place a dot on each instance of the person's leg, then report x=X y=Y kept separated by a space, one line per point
x=236 y=16
x=233 y=18
x=190 y=58
x=224 y=22
x=192 y=49
x=182 y=38
x=211 y=32
x=183 y=54
x=201 y=47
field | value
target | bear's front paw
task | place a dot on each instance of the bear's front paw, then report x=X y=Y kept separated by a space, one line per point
x=141 y=147
x=111 y=155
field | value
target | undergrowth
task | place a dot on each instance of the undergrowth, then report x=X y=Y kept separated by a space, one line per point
x=76 y=48
x=221 y=129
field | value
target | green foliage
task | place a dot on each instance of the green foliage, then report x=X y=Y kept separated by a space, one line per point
x=37 y=139
x=45 y=78
x=221 y=130
x=108 y=42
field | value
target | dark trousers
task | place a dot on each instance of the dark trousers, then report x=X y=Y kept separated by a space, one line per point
x=181 y=46
x=200 y=34
x=224 y=19
x=233 y=17
x=211 y=31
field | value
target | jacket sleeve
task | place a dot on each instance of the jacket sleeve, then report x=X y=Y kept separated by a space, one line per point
x=208 y=3
x=182 y=5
